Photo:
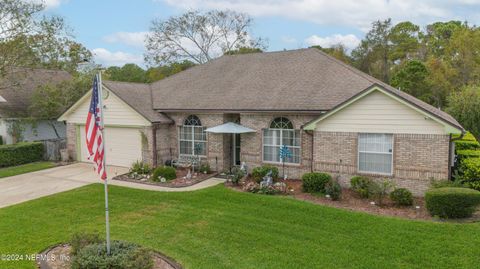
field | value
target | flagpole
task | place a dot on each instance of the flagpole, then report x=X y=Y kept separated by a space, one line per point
x=100 y=101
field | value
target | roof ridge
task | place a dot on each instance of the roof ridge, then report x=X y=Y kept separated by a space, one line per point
x=368 y=77
x=126 y=82
x=347 y=66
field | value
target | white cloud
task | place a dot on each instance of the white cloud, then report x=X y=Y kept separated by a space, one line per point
x=118 y=58
x=355 y=13
x=134 y=39
x=349 y=41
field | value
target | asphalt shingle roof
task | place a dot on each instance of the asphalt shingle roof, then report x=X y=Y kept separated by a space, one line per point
x=138 y=96
x=18 y=86
x=304 y=80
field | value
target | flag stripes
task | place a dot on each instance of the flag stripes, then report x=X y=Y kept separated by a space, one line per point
x=93 y=131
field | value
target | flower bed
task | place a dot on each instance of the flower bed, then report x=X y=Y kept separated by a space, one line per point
x=351 y=200
x=180 y=181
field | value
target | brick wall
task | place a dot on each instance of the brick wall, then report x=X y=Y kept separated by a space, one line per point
x=251 y=143
x=417 y=158
x=147 y=144
x=218 y=145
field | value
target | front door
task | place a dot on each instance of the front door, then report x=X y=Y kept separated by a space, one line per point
x=236 y=149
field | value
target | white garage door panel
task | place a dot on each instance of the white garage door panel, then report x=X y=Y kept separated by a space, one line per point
x=123 y=146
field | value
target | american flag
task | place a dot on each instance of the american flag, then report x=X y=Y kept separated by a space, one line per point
x=93 y=130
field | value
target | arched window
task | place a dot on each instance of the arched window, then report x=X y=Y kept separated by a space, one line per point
x=192 y=120
x=281 y=133
x=193 y=138
x=281 y=123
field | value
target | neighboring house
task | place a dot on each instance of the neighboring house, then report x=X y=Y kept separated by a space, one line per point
x=332 y=117
x=16 y=90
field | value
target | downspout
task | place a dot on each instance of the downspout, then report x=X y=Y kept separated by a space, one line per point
x=450 y=149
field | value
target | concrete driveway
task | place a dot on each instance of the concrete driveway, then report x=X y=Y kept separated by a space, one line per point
x=25 y=187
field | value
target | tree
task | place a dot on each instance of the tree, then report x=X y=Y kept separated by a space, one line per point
x=438 y=35
x=411 y=78
x=404 y=40
x=128 y=73
x=28 y=40
x=337 y=51
x=441 y=78
x=50 y=100
x=199 y=37
x=372 y=55
x=465 y=107
x=157 y=73
x=243 y=50
x=463 y=52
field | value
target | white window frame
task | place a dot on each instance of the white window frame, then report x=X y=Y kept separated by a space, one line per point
x=193 y=140
x=279 y=146
x=375 y=152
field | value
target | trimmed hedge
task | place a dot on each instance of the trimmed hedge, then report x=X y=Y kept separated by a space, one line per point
x=452 y=202
x=315 y=182
x=21 y=153
x=468 y=153
x=166 y=172
x=470 y=168
x=259 y=172
x=468 y=142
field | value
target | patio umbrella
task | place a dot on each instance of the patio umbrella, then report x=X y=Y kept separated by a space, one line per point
x=230 y=128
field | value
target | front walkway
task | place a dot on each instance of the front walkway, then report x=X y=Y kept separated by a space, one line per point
x=25 y=187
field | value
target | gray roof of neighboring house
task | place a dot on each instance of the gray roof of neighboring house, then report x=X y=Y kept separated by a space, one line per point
x=138 y=96
x=304 y=80
x=18 y=86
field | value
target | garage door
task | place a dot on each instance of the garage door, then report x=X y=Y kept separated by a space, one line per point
x=123 y=146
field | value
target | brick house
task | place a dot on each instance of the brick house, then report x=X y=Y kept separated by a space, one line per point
x=332 y=117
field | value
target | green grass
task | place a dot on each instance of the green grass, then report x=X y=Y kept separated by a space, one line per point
x=25 y=168
x=221 y=228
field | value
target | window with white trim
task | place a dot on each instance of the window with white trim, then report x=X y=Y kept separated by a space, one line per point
x=281 y=133
x=375 y=153
x=192 y=137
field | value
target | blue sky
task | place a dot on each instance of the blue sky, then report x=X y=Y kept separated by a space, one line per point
x=114 y=30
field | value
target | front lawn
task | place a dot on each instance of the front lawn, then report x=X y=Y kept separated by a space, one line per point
x=25 y=168
x=222 y=228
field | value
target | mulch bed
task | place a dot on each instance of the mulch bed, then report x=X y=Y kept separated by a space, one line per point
x=58 y=257
x=180 y=181
x=351 y=201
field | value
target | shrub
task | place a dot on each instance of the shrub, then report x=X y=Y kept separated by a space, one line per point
x=315 y=182
x=471 y=172
x=259 y=172
x=205 y=168
x=20 y=153
x=166 y=172
x=237 y=174
x=80 y=240
x=435 y=184
x=464 y=145
x=379 y=190
x=468 y=153
x=123 y=255
x=360 y=185
x=402 y=196
x=452 y=202
x=333 y=189
x=140 y=168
